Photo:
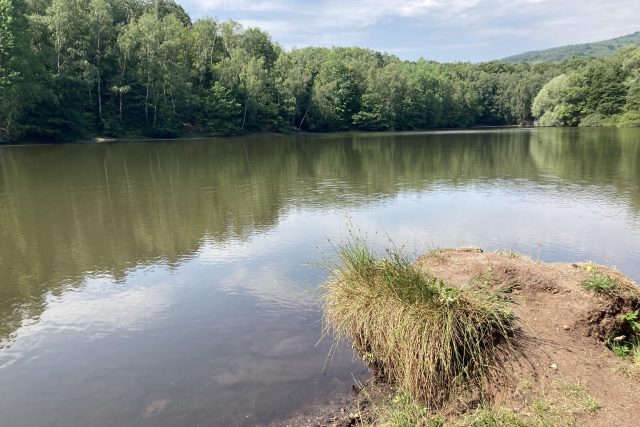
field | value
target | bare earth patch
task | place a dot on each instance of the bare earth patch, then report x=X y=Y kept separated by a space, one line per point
x=563 y=326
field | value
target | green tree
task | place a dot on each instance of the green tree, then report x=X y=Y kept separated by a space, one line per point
x=101 y=20
x=207 y=48
x=219 y=113
x=294 y=78
x=249 y=79
x=158 y=46
x=7 y=43
x=336 y=95
x=114 y=67
x=605 y=92
x=560 y=102
x=12 y=47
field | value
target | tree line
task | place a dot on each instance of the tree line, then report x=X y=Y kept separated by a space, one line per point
x=76 y=68
x=595 y=49
x=593 y=92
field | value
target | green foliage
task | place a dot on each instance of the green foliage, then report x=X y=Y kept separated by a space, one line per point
x=620 y=349
x=496 y=417
x=559 y=102
x=625 y=340
x=219 y=113
x=15 y=66
x=629 y=119
x=633 y=320
x=598 y=92
x=581 y=400
x=594 y=120
x=606 y=92
x=55 y=118
x=75 y=68
x=599 y=283
x=164 y=8
x=7 y=42
x=404 y=411
x=597 y=49
x=336 y=94
x=560 y=406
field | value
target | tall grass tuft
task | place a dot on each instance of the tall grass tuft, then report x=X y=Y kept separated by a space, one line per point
x=599 y=283
x=413 y=330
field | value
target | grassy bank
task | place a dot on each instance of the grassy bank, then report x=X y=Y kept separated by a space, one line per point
x=464 y=338
x=412 y=329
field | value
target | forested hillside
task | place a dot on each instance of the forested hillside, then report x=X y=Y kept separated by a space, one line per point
x=596 y=92
x=71 y=69
x=596 y=49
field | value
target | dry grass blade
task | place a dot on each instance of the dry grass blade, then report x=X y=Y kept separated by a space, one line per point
x=412 y=329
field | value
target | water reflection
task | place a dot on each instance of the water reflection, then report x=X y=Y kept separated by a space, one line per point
x=174 y=274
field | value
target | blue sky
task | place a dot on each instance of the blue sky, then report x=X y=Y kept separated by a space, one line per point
x=465 y=30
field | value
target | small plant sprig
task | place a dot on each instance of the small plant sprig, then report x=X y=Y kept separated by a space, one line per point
x=625 y=342
x=598 y=282
x=633 y=320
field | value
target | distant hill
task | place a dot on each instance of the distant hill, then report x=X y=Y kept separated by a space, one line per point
x=602 y=48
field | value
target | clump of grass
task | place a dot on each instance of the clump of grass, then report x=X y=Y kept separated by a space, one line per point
x=635 y=352
x=404 y=411
x=525 y=384
x=561 y=407
x=619 y=320
x=579 y=399
x=413 y=330
x=542 y=413
x=620 y=349
x=625 y=341
x=599 y=282
x=632 y=368
x=632 y=320
x=495 y=417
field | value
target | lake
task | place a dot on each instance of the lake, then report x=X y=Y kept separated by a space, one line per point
x=175 y=282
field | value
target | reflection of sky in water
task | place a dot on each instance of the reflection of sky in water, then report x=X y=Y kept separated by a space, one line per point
x=554 y=226
x=565 y=224
x=226 y=329
x=239 y=318
x=208 y=341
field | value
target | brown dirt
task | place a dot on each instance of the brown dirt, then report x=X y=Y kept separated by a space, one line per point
x=341 y=409
x=562 y=326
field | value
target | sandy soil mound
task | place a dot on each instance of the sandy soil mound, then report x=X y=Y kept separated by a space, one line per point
x=564 y=327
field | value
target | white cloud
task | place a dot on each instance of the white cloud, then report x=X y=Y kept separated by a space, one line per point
x=488 y=28
x=277 y=28
x=211 y=6
x=97 y=309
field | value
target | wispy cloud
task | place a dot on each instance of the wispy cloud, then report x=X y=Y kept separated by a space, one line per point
x=237 y=5
x=489 y=28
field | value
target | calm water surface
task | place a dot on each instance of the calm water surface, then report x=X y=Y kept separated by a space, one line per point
x=172 y=283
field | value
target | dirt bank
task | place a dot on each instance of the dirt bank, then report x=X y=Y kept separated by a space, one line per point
x=563 y=328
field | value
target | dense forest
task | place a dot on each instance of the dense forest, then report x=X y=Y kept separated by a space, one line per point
x=71 y=69
x=595 y=49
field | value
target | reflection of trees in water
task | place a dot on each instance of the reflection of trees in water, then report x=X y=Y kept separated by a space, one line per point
x=601 y=157
x=66 y=211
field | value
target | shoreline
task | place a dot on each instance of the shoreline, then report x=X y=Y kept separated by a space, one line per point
x=193 y=137
x=564 y=366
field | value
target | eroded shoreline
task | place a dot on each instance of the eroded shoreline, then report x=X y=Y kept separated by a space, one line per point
x=567 y=372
